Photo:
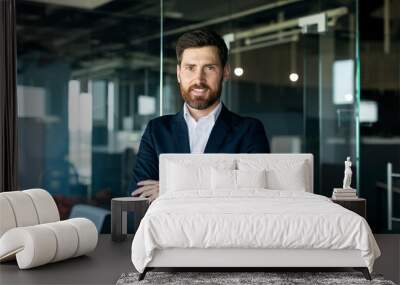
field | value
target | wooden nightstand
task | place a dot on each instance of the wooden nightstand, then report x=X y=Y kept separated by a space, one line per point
x=119 y=209
x=357 y=205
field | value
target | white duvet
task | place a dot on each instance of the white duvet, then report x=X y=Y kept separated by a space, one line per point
x=250 y=219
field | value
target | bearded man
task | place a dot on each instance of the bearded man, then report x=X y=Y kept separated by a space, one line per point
x=204 y=125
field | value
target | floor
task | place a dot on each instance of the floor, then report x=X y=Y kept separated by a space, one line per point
x=111 y=259
x=389 y=262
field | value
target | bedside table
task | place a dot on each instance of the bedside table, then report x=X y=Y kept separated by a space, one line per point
x=119 y=209
x=357 y=205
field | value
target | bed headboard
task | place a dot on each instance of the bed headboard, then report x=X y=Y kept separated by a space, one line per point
x=300 y=165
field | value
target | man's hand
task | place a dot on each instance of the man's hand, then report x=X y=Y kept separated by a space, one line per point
x=147 y=188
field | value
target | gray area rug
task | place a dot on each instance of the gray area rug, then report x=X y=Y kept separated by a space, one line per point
x=230 y=278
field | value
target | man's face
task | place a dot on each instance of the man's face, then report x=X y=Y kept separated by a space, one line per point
x=200 y=76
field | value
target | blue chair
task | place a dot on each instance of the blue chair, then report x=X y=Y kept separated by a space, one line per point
x=99 y=216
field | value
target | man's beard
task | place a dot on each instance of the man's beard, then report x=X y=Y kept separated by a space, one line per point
x=201 y=102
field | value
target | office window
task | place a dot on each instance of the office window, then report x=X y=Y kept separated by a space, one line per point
x=91 y=74
x=87 y=85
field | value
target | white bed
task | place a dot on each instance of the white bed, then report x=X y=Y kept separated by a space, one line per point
x=247 y=210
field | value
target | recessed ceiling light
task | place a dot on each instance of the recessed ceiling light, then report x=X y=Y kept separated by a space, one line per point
x=238 y=71
x=293 y=77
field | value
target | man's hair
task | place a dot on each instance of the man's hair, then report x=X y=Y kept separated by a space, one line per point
x=202 y=38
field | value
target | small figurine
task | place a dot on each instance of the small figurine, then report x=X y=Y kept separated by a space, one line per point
x=347 y=174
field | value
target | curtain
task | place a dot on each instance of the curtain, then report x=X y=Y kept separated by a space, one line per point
x=8 y=99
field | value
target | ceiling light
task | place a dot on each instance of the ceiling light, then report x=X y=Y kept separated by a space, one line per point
x=82 y=4
x=293 y=77
x=238 y=71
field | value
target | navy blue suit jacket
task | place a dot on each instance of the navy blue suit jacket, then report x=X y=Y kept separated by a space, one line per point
x=169 y=134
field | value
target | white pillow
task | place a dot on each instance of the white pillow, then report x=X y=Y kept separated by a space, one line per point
x=223 y=179
x=251 y=178
x=281 y=174
x=293 y=181
x=236 y=179
x=188 y=176
x=183 y=178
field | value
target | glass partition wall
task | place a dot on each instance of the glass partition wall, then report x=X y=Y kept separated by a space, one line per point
x=293 y=66
x=87 y=86
x=91 y=74
x=379 y=24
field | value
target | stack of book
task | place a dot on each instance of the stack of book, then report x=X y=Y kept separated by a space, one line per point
x=342 y=194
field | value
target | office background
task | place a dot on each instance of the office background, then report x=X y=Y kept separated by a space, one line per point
x=322 y=76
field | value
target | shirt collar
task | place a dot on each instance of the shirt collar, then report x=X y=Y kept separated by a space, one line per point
x=214 y=113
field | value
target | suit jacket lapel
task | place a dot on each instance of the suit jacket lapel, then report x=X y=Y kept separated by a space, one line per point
x=180 y=134
x=220 y=130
